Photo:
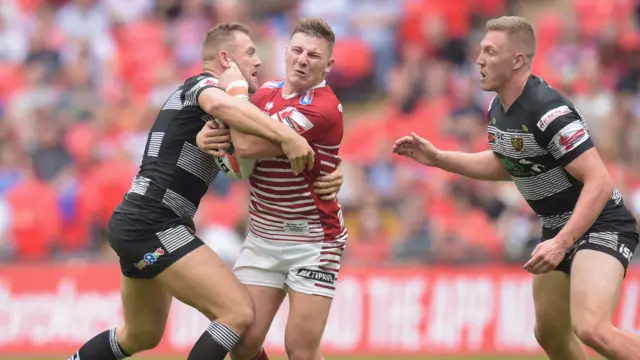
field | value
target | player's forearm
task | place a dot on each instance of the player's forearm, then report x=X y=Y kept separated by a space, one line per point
x=482 y=166
x=245 y=117
x=594 y=196
x=253 y=147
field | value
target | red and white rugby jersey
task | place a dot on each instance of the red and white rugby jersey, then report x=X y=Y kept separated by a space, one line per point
x=284 y=207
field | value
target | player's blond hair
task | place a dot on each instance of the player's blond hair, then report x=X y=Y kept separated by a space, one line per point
x=220 y=37
x=518 y=29
x=316 y=28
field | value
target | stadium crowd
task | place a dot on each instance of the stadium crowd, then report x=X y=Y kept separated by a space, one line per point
x=81 y=82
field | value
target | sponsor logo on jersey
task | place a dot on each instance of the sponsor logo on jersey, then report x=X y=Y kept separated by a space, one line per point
x=551 y=115
x=295 y=120
x=322 y=276
x=570 y=137
x=517 y=142
x=149 y=259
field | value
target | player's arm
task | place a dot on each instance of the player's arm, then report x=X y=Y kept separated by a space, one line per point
x=305 y=121
x=565 y=135
x=484 y=165
x=242 y=115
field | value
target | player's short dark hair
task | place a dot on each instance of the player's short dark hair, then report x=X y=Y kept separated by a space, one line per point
x=219 y=36
x=518 y=28
x=316 y=27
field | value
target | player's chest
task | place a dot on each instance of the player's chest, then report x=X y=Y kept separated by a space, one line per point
x=512 y=137
x=275 y=103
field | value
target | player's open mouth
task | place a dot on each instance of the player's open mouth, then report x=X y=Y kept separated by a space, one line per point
x=255 y=73
x=300 y=72
x=482 y=75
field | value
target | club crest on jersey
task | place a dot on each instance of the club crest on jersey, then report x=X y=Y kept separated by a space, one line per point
x=307 y=98
x=517 y=142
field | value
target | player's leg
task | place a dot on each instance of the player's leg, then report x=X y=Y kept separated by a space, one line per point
x=267 y=301
x=312 y=284
x=553 y=317
x=142 y=300
x=596 y=279
x=202 y=280
x=261 y=268
x=308 y=316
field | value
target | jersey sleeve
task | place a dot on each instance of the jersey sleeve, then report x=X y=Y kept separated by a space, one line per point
x=563 y=132
x=307 y=121
x=192 y=93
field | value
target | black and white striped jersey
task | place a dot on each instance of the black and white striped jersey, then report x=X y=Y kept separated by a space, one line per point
x=175 y=174
x=540 y=134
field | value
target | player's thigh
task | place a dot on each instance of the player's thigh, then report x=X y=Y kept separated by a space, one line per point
x=312 y=283
x=146 y=308
x=202 y=280
x=267 y=301
x=596 y=280
x=551 y=298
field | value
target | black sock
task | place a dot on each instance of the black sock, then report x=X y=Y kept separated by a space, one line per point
x=214 y=344
x=103 y=346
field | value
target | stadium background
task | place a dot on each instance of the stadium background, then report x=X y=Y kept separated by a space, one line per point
x=433 y=264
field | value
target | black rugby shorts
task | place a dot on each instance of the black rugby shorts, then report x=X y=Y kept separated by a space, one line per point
x=146 y=248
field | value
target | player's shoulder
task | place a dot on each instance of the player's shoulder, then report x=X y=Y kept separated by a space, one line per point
x=540 y=96
x=547 y=104
x=200 y=80
x=323 y=100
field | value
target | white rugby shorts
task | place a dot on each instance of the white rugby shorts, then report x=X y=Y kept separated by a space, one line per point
x=308 y=268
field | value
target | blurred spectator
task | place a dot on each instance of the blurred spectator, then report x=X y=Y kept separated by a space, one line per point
x=84 y=79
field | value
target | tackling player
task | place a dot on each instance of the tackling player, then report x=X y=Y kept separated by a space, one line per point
x=540 y=141
x=296 y=238
x=152 y=230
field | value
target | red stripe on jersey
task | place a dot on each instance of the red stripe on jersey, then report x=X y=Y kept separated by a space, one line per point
x=284 y=207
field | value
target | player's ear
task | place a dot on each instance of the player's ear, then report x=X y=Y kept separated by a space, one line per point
x=225 y=59
x=329 y=66
x=518 y=61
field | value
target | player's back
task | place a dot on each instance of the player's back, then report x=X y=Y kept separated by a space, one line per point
x=174 y=173
x=283 y=206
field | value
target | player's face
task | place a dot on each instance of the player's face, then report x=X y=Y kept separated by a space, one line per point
x=307 y=61
x=246 y=57
x=495 y=60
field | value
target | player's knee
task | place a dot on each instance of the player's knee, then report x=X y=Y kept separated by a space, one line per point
x=300 y=350
x=592 y=333
x=135 y=340
x=550 y=338
x=239 y=318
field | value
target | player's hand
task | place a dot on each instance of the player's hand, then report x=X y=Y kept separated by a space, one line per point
x=299 y=152
x=416 y=148
x=328 y=186
x=546 y=256
x=230 y=75
x=213 y=140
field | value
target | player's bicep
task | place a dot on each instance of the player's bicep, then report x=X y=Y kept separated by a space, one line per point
x=210 y=99
x=588 y=164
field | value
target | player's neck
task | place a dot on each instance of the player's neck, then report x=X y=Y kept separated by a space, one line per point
x=512 y=90
x=211 y=70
